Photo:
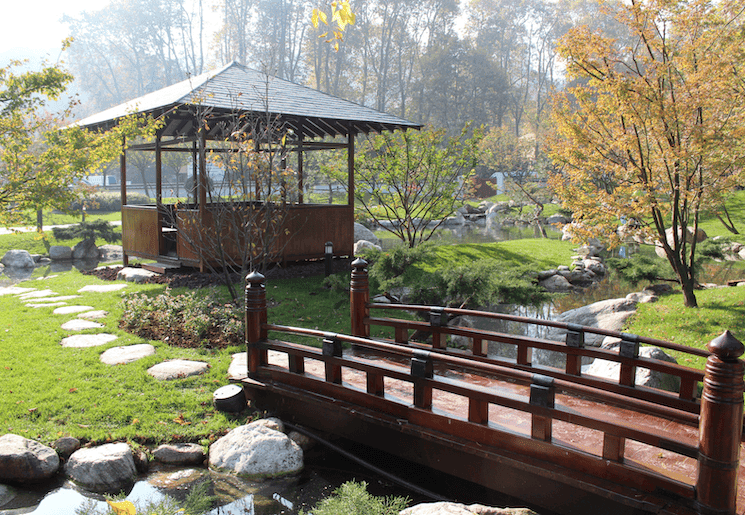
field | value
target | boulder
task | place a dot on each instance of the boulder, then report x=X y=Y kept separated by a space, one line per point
x=364 y=244
x=179 y=454
x=110 y=252
x=60 y=253
x=18 y=259
x=644 y=376
x=26 y=461
x=107 y=468
x=86 y=249
x=256 y=451
x=555 y=283
x=557 y=219
x=700 y=236
x=7 y=494
x=363 y=233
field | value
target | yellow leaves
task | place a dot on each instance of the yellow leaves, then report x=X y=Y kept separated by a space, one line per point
x=122 y=507
x=341 y=16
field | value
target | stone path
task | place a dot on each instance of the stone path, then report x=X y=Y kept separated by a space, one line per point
x=85 y=321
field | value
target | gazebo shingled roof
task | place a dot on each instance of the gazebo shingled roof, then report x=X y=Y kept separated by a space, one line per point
x=236 y=88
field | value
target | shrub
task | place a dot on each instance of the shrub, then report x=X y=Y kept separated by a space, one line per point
x=185 y=320
x=97 y=229
x=352 y=498
x=110 y=201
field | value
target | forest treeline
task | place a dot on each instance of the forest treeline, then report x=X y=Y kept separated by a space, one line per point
x=439 y=62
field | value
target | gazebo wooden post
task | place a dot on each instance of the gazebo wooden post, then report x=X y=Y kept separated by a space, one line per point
x=159 y=190
x=202 y=173
x=300 y=197
x=350 y=167
x=123 y=189
x=194 y=171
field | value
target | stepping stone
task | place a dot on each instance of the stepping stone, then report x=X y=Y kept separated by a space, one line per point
x=80 y=325
x=126 y=354
x=14 y=290
x=48 y=305
x=177 y=369
x=93 y=315
x=88 y=340
x=69 y=310
x=58 y=299
x=134 y=275
x=37 y=294
x=239 y=366
x=102 y=288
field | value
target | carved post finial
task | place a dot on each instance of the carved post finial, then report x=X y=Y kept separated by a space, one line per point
x=720 y=426
x=256 y=318
x=359 y=297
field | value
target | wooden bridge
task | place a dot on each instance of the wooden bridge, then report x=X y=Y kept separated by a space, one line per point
x=555 y=438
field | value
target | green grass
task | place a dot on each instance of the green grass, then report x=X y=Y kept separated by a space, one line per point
x=37 y=243
x=49 y=391
x=57 y=218
x=668 y=319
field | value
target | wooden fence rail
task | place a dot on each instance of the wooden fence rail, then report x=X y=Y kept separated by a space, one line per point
x=543 y=395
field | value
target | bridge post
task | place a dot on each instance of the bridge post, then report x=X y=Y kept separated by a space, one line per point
x=720 y=427
x=629 y=349
x=332 y=348
x=543 y=394
x=255 y=321
x=422 y=368
x=359 y=296
x=575 y=338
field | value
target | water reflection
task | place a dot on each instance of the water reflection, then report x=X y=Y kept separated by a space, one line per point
x=475 y=233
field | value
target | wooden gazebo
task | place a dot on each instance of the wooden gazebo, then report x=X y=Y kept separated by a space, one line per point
x=200 y=113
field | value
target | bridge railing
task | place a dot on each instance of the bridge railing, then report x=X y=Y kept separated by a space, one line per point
x=542 y=398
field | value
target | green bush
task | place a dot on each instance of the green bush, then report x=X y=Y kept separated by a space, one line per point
x=185 y=320
x=97 y=229
x=352 y=498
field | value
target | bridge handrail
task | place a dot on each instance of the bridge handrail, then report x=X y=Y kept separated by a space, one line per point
x=720 y=421
x=547 y=323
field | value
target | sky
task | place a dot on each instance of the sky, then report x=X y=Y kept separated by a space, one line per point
x=39 y=33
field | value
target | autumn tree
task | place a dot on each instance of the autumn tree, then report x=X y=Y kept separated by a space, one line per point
x=652 y=131
x=414 y=179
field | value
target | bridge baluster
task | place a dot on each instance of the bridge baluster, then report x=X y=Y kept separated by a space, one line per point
x=524 y=355
x=575 y=339
x=422 y=369
x=613 y=447
x=479 y=346
x=332 y=348
x=359 y=297
x=542 y=393
x=720 y=426
x=255 y=321
x=629 y=349
x=437 y=318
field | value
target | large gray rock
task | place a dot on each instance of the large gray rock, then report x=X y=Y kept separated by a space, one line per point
x=18 y=259
x=363 y=233
x=134 y=275
x=86 y=249
x=555 y=284
x=644 y=376
x=660 y=251
x=179 y=454
x=24 y=460
x=60 y=253
x=256 y=451
x=107 y=468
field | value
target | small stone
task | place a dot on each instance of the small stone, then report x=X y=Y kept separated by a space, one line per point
x=177 y=369
x=14 y=290
x=134 y=275
x=303 y=441
x=180 y=454
x=37 y=305
x=37 y=294
x=65 y=446
x=238 y=366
